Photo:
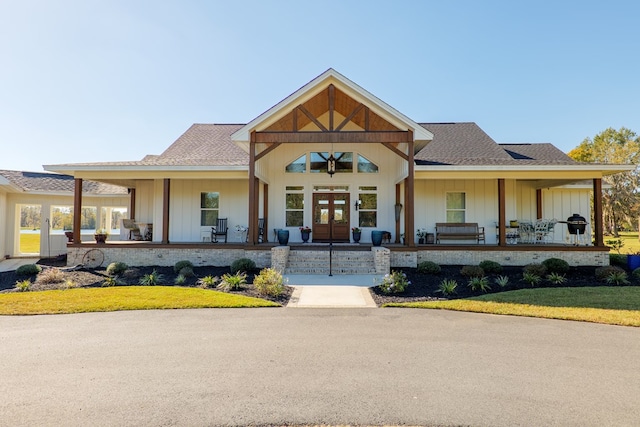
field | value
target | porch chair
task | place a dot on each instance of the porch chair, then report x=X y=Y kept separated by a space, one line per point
x=220 y=229
x=260 y=231
x=134 y=230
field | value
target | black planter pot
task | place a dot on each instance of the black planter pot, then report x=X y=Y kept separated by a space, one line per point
x=356 y=236
x=305 y=235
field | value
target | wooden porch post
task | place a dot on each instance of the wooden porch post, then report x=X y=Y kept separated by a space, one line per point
x=132 y=203
x=165 y=211
x=253 y=208
x=502 y=239
x=254 y=221
x=265 y=211
x=77 y=210
x=398 y=221
x=409 y=200
x=597 y=212
x=539 y=203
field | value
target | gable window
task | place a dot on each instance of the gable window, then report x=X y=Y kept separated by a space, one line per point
x=366 y=166
x=318 y=163
x=367 y=206
x=299 y=165
x=456 y=207
x=294 y=208
x=209 y=208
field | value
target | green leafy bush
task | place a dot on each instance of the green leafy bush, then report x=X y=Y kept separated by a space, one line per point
x=394 y=283
x=617 y=259
x=491 y=267
x=178 y=266
x=556 y=265
x=447 y=287
x=472 y=271
x=269 y=282
x=536 y=269
x=556 y=278
x=208 y=281
x=231 y=282
x=242 y=264
x=180 y=280
x=110 y=281
x=502 y=281
x=151 y=279
x=23 y=285
x=116 y=268
x=617 y=278
x=603 y=272
x=636 y=274
x=531 y=278
x=429 y=267
x=186 y=272
x=479 y=284
x=50 y=275
x=28 y=270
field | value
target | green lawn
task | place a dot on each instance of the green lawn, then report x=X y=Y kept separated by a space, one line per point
x=118 y=298
x=602 y=304
x=30 y=243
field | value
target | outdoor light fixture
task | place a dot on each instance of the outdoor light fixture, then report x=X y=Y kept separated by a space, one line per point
x=358 y=203
x=331 y=165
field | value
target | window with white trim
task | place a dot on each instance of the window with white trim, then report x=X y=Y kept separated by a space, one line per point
x=367 y=206
x=294 y=206
x=456 y=207
x=209 y=208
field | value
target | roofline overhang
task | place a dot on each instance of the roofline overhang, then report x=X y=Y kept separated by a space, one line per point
x=535 y=172
x=72 y=169
x=605 y=169
x=242 y=135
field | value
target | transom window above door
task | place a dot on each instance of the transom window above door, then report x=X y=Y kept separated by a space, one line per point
x=344 y=163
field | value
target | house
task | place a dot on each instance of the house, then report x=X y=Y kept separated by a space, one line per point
x=40 y=205
x=332 y=156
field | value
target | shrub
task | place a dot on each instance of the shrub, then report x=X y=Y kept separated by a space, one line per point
x=472 y=271
x=208 y=281
x=242 y=264
x=116 y=268
x=617 y=278
x=69 y=284
x=23 y=285
x=178 y=266
x=603 y=272
x=556 y=265
x=502 y=281
x=50 y=275
x=636 y=274
x=479 y=284
x=447 y=287
x=151 y=279
x=28 y=270
x=617 y=259
x=232 y=281
x=556 y=278
x=491 y=267
x=269 y=282
x=536 y=269
x=394 y=283
x=530 y=278
x=429 y=267
x=110 y=281
x=186 y=272
x=180 y=279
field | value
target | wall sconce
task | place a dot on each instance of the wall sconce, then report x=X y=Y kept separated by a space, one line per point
x=357 y=204
x=331 y=165
x=398 y=209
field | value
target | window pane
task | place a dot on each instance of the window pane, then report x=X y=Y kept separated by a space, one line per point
x=318 y=162
x=294 y=218
x=298 y=166
x=208 y=217
x=368 y=219
x=294 y=188
x=455 y=201
x=209 y=200
x=369 y=201
x=455 y=216
x=365 y=166
x=295 y=201
x=367 y=188
x=61 y=217
x=88 y=218
x=344 y=162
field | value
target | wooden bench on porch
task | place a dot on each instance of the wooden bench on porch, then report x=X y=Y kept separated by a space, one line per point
x=459 y=231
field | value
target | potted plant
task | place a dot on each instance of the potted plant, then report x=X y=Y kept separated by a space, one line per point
x=421 y=233
x=356 y=233
x=305 y=232
x=101 y=235
x=283 y=236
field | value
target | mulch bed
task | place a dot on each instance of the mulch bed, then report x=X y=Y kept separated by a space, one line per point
x=423 y=287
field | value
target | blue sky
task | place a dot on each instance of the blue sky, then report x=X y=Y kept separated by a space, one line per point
x=89 y=81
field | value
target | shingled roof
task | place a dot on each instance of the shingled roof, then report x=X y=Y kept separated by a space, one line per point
x=35 y=182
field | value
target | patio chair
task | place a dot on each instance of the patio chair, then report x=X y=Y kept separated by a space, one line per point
x=220 y=229
x=526 y=232
x=260 y=230
x=134 y=230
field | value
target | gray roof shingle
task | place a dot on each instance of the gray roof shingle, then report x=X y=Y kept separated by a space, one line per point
x=57 y=183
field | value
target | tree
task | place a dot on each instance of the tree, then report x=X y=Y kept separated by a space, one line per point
x=620 y=204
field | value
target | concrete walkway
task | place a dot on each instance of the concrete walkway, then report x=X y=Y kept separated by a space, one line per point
x=12 y=264
x=331 y=291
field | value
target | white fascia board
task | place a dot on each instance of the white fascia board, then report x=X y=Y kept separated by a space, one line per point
x=69 y=169
x=605 y=169
x=419 y=133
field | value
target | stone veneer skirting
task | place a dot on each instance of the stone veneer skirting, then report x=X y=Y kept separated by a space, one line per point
x=385 y=259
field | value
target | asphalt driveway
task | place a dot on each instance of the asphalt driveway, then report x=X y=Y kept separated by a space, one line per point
x=316 y=366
